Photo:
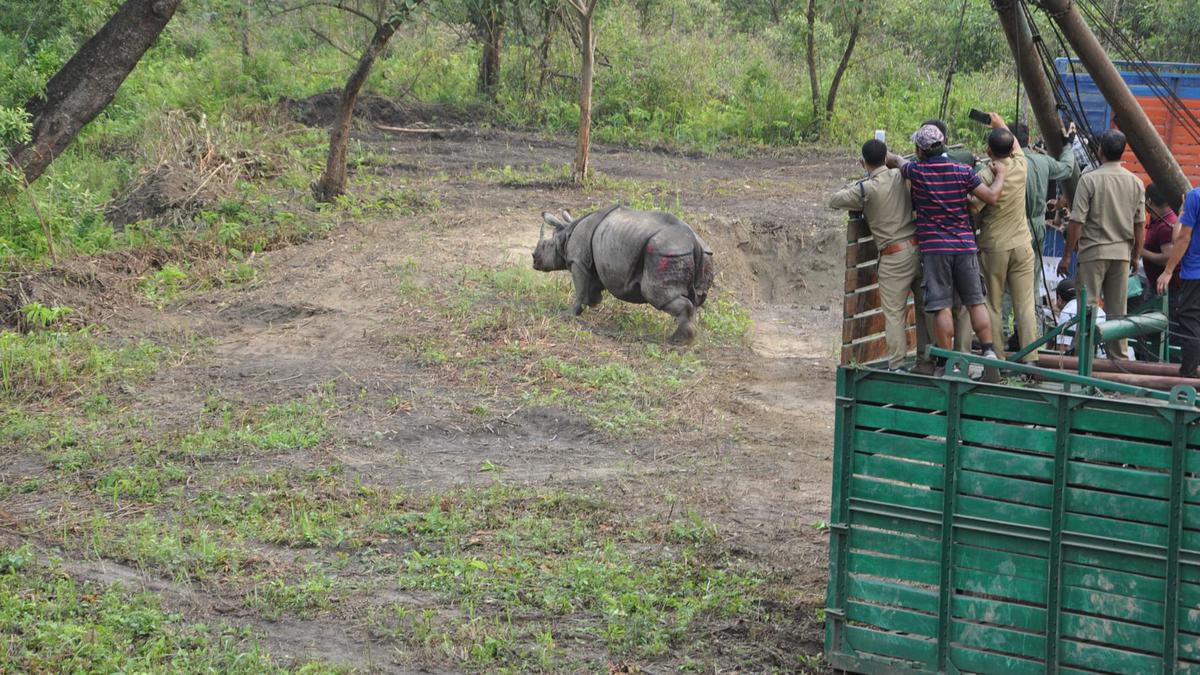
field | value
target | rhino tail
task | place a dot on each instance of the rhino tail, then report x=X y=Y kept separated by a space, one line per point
x=697 y=298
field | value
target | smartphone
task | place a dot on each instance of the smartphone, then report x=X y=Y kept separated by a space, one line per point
x=980 y=116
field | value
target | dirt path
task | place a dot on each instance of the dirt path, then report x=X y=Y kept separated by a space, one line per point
x=754 y=461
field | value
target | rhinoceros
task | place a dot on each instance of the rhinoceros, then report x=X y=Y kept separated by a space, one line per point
x=637 y=256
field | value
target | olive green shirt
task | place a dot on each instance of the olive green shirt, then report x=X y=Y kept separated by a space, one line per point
x=1005 y=225
x=1109 y=201
x=1042 y=170
x=886 y=202
x=962 y=156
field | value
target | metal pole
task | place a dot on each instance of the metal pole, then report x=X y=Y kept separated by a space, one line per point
x=1037 y=87
x=1071 y=363
x=1128 y=114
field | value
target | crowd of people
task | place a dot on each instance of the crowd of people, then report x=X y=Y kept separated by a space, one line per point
x=964 y=238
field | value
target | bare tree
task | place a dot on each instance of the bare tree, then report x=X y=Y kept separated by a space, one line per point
x=85 y=86
x=584 y=14
x=810 y=55
x=387 y=18
x=851 y=42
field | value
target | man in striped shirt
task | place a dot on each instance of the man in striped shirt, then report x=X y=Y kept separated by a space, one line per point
x=946 y=235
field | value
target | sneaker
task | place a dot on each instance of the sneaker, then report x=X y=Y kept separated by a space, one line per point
x=924 y=368
x=991 y=374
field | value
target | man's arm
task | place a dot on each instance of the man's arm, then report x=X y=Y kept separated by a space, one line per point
x=895 y=161
x=990 y=194
x=1161 y=257
x=1139 y=241
x=849 y=199
x=1063 y=167
x=1074 y=231
x=1179 y=246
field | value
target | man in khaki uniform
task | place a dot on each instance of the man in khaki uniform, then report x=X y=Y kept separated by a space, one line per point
x=1107 y=225
x=1005 y=243
x=886 y=202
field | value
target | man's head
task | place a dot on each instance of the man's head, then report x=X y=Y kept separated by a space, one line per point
x=1154 y=197
x=939 y=124
x=1112 y=145
x=1065 y=291
x=1020 y=130
x=1000 y=143
x=874 y=153
x=930 y=141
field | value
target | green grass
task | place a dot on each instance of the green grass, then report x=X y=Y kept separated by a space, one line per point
x=50 y=622
x=64 y=363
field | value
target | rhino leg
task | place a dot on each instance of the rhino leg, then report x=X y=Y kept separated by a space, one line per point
x=684 y=312
x=594 y=293
x=582 y=280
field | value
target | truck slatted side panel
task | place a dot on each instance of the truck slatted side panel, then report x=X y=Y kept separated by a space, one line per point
x=982 y=528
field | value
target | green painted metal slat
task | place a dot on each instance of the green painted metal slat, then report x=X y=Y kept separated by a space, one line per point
x=916 y=548
x=908 y=447
x=1189 y=599
x=1107 y=504
x=899 y=392
x=892 y=493
x=897 y=419
x=892 y=618
x=865 y=516
x=1008 y=436
x=1112 y=561
x=1011 y=407
x=1006 y=489
x=1117 y=479
x=881 y=466
x=1119 y=451
x=989 y=663
x=1006 y=463
x=1107 y=659
x=890 y=644
x=1002 y=543
x=987 y=610
x=1091 y=578
x=1004 y=512
x=996 y=639
x=887 y=593
x=886 y=567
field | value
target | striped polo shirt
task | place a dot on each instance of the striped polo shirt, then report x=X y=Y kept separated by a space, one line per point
x=940 y=188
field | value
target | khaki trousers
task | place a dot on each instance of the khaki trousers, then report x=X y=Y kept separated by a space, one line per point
x=1108 y=279
x=899 y=275
x=1013 y=270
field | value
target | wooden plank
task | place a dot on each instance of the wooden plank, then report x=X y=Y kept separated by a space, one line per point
x=998 y=585
x=860 y=252
x=873 y=349
x=909 y=546
x=1124 y=584
x=1095 y=657
x=1001 y=513
x=910 y=648
x=882 y=466
x=861 y=277
x=892 y=618
x=909 y=447
x=1005 y=463
x=907 y=393
x=1004 y=490
x=898 y=419
x=1003 y=543
x=1121 y=421
x=984 y=560
x=856 y=229
x=1011 y=407
x=1110 y=560
x=1120 y=451
x=1111 y=505
x=893 y=523
x=884 y=567
x=1117 y=479
x=1115 y=529
x=1114 y=606
x=986 y=610
x=866 y=325
x=989 y=663
x=861 y=301
x=891 y=493
x=1116 y=633
x=890 y=593
x=995 y=639
x=1008 y=436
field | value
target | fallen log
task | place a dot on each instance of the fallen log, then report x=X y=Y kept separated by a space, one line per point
x=1059 y=362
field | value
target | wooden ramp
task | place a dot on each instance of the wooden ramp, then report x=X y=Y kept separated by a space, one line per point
x=862 y=319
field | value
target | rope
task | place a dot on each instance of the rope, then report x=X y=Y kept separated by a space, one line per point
x=962 y=15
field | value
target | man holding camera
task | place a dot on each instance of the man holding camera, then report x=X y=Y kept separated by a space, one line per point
x=1108 y=220
x=887 y=207
x=1005 y=244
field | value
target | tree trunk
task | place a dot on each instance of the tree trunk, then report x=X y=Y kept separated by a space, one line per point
x=811 y=56
x=85 y=86
x=332 y=183
x=244 y=28
x=588 y=52
x=493 y=41
x=855 y=27
x=544 y=48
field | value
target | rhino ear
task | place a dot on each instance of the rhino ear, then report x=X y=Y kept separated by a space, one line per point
x=566 y=216
x=553 y=220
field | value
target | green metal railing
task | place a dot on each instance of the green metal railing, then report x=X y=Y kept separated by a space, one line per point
x=989 y=528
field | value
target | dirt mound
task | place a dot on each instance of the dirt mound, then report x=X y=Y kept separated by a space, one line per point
x=319 y=111
x=172 y=193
